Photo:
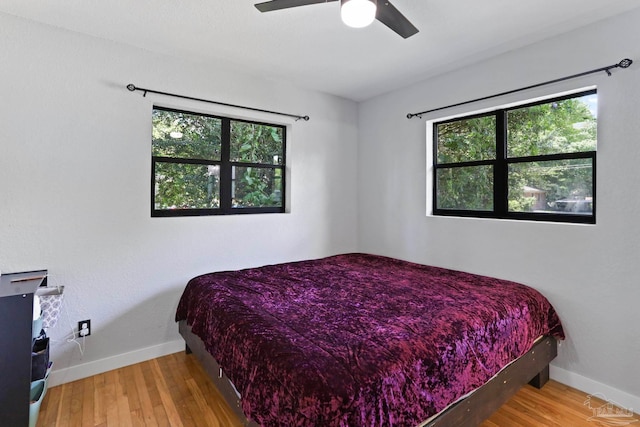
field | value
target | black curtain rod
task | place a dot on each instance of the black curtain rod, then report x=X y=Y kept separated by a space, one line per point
x=144 y=91
x=625 y=63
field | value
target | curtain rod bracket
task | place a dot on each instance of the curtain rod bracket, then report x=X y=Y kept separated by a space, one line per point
x=625 y=63
x=132 y=88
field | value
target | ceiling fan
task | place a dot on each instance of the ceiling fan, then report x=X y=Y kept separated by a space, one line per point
x=355 y=13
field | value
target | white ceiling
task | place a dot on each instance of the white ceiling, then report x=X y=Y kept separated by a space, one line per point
x=310 y=46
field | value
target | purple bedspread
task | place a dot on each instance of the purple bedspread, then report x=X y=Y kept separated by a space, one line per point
x=360 y=340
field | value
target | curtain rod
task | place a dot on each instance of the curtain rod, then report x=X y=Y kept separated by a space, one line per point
x=625 y=63
x=144 y=91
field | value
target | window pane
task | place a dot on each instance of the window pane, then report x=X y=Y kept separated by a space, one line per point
x=255 y=143
x=561 y=186
x=566 y=126
x=465 y=188
x=467 y=140
x=256 y=187
x=186 y=136
x=185 y=186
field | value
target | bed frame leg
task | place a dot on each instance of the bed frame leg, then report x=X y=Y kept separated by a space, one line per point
x=187 y=350
x=541 y=379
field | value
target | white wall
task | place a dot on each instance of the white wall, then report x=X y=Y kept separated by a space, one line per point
x=590 y=273
x=75 y=150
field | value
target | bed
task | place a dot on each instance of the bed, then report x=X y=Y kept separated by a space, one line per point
x=366 y=340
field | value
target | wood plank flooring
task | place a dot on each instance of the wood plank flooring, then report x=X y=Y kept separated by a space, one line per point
x=175 y=391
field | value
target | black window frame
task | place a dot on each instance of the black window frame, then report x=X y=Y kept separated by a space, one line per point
x=501 y=167
x=226 y=171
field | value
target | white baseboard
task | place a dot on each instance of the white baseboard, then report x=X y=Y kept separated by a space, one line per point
x=85 y=370
x=617 y=397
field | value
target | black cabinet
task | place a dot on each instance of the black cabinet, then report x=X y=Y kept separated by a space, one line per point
x=16 y=335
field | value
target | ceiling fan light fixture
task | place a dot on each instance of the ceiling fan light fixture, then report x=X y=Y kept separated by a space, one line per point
x=358 y=13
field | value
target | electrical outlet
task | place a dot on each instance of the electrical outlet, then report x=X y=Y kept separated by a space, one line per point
x=84 y=328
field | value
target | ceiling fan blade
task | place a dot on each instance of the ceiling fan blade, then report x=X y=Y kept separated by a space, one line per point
x=392 y=18
x=269 y=6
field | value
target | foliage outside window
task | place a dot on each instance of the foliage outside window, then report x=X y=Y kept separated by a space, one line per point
x=208 y=165
x=531 y=162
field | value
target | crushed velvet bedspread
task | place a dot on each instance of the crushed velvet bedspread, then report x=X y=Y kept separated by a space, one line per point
x=360 y=340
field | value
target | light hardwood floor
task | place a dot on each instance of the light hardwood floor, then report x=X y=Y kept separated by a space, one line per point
x=175 y=391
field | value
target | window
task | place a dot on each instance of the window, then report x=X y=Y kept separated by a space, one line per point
x=530 y=162
x=208 y=165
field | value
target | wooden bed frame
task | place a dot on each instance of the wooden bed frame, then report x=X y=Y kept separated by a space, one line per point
x=532 y=368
